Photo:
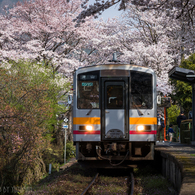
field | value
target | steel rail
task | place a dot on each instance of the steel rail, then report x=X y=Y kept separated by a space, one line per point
x=86 y=189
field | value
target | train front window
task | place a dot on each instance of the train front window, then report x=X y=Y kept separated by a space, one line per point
x=88 y=90
x=141 y=95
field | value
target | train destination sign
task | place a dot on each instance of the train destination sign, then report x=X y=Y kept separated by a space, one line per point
x=87 y=84
x=88 y=77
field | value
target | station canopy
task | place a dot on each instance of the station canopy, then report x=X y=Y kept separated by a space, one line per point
x=182 y=74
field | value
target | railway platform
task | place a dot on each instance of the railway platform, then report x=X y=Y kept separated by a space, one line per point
x=178 y=165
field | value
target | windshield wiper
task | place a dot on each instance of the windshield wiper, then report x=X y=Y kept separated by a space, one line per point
x=89 y=111
x=138 y=110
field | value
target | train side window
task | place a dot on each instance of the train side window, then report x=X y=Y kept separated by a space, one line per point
x=88 y=90
x=141 y=95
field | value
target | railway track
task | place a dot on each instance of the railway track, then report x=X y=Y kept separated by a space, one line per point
x=90 y=185
x=98 y=181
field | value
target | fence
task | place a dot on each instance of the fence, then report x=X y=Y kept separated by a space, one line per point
x=186 y=131
x=176 y=134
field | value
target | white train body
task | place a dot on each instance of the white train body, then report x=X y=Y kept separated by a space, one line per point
x=114 y=113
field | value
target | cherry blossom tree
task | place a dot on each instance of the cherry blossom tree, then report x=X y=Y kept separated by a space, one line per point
x=154 y=33
x=153 y=42
x=152 y=38
x=151 y=34
x=44 y=30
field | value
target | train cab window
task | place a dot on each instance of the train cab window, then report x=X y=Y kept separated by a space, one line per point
x=141 y=95
x=114 y=97
x=88 y=90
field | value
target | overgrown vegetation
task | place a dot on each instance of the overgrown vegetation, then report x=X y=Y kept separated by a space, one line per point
x=29 y=95
x=150 y=181
x=75 y=179
x=70 y=181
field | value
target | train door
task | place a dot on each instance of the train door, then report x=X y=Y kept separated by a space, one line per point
x=115 y=109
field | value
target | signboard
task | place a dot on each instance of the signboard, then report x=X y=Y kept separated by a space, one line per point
x=66 y=120
x=65 y=126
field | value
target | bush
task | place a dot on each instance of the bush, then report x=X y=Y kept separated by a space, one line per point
x=55 y=155
x=70 y=150
x=28 y=107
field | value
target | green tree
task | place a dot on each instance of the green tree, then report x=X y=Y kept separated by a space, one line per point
x=173 y=113
x=28 y=104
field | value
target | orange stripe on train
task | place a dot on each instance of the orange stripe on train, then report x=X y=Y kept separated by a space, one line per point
x=143 y=120
x=86 y=121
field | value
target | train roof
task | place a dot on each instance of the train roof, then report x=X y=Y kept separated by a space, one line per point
x=114 y=66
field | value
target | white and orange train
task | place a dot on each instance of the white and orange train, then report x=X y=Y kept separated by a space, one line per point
x=114 y=114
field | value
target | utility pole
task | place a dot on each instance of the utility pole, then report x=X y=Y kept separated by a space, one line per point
x=64 y=128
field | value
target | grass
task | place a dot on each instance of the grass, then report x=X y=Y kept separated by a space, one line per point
x=110 y=185
x=151 y=182
x=70 y=181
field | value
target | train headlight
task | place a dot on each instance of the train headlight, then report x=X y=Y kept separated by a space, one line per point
x=89 y=128
x=140 y=128
x=145 y=128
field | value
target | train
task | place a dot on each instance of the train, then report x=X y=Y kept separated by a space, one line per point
x=114 y=114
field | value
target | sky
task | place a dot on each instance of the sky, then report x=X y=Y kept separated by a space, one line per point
x=6 y=2
x=110 y=13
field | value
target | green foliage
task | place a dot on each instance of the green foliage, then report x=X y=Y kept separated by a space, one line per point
x=53 y=155
x=151 y=180
x=173 y=113
x=28 y=107
x=70 y=150
x=189 y=63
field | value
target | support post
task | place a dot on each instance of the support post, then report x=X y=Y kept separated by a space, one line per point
x=64 y=146
x=165 y=123
x=193 y=114
x=50 y=167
